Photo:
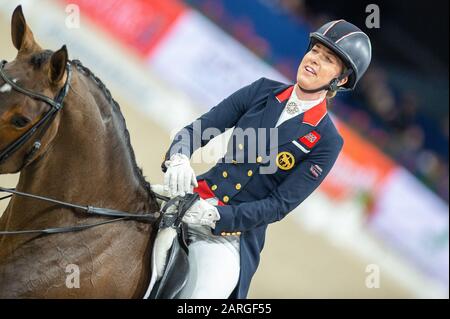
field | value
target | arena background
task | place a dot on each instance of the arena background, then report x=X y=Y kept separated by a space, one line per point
x=166 y=62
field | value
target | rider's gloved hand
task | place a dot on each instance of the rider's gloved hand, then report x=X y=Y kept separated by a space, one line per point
x=179 y=178
x=202 y=213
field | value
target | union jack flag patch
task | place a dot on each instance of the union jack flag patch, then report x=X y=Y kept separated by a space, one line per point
x=316 y=171
x=310 y=139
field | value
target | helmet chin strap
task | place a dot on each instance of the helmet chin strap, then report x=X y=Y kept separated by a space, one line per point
x=325 y=87
x=332 y=86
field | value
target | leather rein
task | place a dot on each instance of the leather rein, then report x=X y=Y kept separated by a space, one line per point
x=56 y=105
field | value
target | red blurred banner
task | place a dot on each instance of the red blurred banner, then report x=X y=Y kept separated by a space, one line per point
x=139 y=24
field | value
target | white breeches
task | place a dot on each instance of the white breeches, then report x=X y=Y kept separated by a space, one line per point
x=214 y=264
x=213 y=271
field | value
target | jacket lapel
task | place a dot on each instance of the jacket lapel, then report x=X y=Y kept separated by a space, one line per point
x=293 y=128
x=274 y=106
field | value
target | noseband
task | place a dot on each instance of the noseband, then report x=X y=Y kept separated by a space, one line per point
x=45 y=121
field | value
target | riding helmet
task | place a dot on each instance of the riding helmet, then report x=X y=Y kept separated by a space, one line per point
x=350 y=43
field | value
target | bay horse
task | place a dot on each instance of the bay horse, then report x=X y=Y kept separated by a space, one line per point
x=82 y=155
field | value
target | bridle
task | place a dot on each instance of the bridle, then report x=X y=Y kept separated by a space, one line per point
x=55 y=106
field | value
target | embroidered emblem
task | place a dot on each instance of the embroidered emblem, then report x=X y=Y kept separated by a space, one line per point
x=285 y=161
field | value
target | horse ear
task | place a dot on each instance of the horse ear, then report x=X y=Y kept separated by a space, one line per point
x=21 y=34
x=58 y=63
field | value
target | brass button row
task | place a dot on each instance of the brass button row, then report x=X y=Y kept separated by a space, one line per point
x=238 y=186
x=238 y=233
x=225 y=173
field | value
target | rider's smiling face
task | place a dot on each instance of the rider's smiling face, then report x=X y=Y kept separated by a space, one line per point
x=318 y=67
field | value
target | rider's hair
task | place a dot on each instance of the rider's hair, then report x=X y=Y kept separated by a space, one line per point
x=331 y=94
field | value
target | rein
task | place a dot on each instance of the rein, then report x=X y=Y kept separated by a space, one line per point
x=184 y=203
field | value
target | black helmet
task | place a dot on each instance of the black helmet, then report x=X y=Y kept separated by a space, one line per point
x=350 y=44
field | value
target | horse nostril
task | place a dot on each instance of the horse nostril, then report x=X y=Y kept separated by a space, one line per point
x=20 y=121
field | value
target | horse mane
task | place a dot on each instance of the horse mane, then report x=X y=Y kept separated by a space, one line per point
x=38 y=59
x=83 y=69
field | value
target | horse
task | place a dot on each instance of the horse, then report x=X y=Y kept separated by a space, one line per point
x=81 y=154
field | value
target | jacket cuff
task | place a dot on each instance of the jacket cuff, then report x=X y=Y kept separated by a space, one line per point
x=225 y=223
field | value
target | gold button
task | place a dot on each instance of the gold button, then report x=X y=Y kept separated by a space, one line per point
x=259 y=159
x=250 y=173
x=234 y=162
x=225 y=174
x=228 y=234
x=223 y=233
x=214 y=187
x=241 y=147
x=238 y=233
x=226 y=199
x=238 y=186
x=233 y=233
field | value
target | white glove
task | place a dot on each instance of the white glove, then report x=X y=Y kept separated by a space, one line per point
x=179 y=178
x=202 y=213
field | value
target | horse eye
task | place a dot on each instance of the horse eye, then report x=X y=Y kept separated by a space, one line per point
x=20 y=121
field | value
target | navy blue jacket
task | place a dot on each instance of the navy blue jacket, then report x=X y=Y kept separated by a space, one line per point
x=304 y=153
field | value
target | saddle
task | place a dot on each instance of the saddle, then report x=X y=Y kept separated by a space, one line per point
x=169 y=258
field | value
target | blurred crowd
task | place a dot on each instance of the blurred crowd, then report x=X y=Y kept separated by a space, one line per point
x=396 y=123
x=399 y=125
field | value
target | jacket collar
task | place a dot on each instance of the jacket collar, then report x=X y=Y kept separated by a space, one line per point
x=294 y=128
x=313 y=116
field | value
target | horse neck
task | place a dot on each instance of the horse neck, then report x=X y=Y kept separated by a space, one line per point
x=89 y=162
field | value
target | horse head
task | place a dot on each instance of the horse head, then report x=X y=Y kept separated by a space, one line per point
x=39 y=71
